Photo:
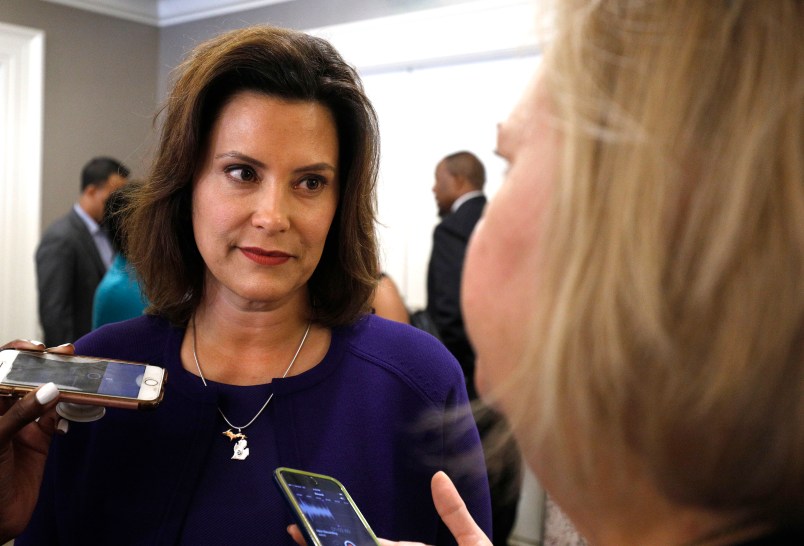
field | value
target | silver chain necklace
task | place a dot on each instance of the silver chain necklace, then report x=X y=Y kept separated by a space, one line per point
x=241 y=449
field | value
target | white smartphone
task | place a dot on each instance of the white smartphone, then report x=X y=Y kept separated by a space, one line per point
x=324 y=511
x=83 y=379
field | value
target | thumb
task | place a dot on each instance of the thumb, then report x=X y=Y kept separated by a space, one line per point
x=453 y=512
x=296 y=534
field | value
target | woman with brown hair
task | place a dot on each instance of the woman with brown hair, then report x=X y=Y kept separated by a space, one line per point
x=254 y=239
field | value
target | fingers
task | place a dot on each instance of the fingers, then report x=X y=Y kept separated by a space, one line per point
x=63 y=426
x=33 y=345
x=34 y=405
x=453 y=512
x=450 y=507
x=296 y=535
x=298 y=538
x=25 y=344
x=63 y=349
x=46 y=393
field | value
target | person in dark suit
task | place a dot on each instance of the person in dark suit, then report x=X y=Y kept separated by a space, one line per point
x=74 y=254
x=458 y=189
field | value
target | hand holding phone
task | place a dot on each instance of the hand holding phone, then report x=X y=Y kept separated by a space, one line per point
x=81 y=379
x=453 y=511
x=323 y=509
x=25 y=435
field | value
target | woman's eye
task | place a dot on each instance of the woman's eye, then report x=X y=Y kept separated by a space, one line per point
x=312 y=183
x=242 y=173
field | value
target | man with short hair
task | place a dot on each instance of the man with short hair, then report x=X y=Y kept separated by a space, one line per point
x=458 y=189
x=74 y=254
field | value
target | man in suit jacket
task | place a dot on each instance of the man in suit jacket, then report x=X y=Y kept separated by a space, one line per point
x=74 y=254
x=458 y=189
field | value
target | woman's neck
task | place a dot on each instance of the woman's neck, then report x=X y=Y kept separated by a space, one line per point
x=247 y=346
x=632 y=511
x=681 y=527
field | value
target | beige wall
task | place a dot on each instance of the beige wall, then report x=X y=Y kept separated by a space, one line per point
x=177 y=40
x=105 y=77
x=100 y=93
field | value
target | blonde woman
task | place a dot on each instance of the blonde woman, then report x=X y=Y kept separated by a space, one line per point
x=649 y=346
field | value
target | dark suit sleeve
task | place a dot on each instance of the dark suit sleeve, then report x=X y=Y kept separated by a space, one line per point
x=450 y=240
x=55 y=268
x=444 y=284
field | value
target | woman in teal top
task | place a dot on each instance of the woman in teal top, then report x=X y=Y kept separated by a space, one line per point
x=118 y=296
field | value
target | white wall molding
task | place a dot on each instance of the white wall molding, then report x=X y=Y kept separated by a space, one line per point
x=22 y=53
x=174 y=12
x=164 y=13
x=145 y=12
x=473 y=31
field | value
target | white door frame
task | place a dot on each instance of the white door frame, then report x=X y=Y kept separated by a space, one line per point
x=22 y=53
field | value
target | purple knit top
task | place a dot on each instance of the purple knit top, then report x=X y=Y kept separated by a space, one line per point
x=384 y=410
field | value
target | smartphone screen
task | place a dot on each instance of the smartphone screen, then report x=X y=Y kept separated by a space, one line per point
x=76 y=374
x=327 y=508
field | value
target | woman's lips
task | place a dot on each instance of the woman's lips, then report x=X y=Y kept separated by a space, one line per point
x=265 y=257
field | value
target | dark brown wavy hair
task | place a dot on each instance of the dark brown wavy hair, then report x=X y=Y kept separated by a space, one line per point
x=285 y=64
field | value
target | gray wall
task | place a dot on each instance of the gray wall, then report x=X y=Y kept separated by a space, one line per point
x=100 y=93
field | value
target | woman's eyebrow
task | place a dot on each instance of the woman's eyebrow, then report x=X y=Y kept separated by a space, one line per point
x=322 y=166
x=241 y=157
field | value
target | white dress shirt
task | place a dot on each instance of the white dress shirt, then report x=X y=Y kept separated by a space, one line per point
x=102 y=242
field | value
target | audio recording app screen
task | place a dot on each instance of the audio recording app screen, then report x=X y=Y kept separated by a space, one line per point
x=329 y=512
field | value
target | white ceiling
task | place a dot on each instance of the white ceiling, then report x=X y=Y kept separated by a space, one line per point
x=164 y=13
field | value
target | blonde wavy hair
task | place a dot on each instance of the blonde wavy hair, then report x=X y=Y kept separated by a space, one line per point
x=670 y=325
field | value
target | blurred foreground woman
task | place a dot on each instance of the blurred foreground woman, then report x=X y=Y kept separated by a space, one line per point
x=649 y=346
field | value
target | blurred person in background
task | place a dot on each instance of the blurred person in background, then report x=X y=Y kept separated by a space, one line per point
x=119 y=295
x=74 y=254
x=388 y=302
x=458 y=191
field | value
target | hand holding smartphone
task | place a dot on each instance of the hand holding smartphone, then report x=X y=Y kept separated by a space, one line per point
x=82 y=379
x=323 y=510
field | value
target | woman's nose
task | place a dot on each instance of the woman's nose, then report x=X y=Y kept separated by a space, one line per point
x=271 y=211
